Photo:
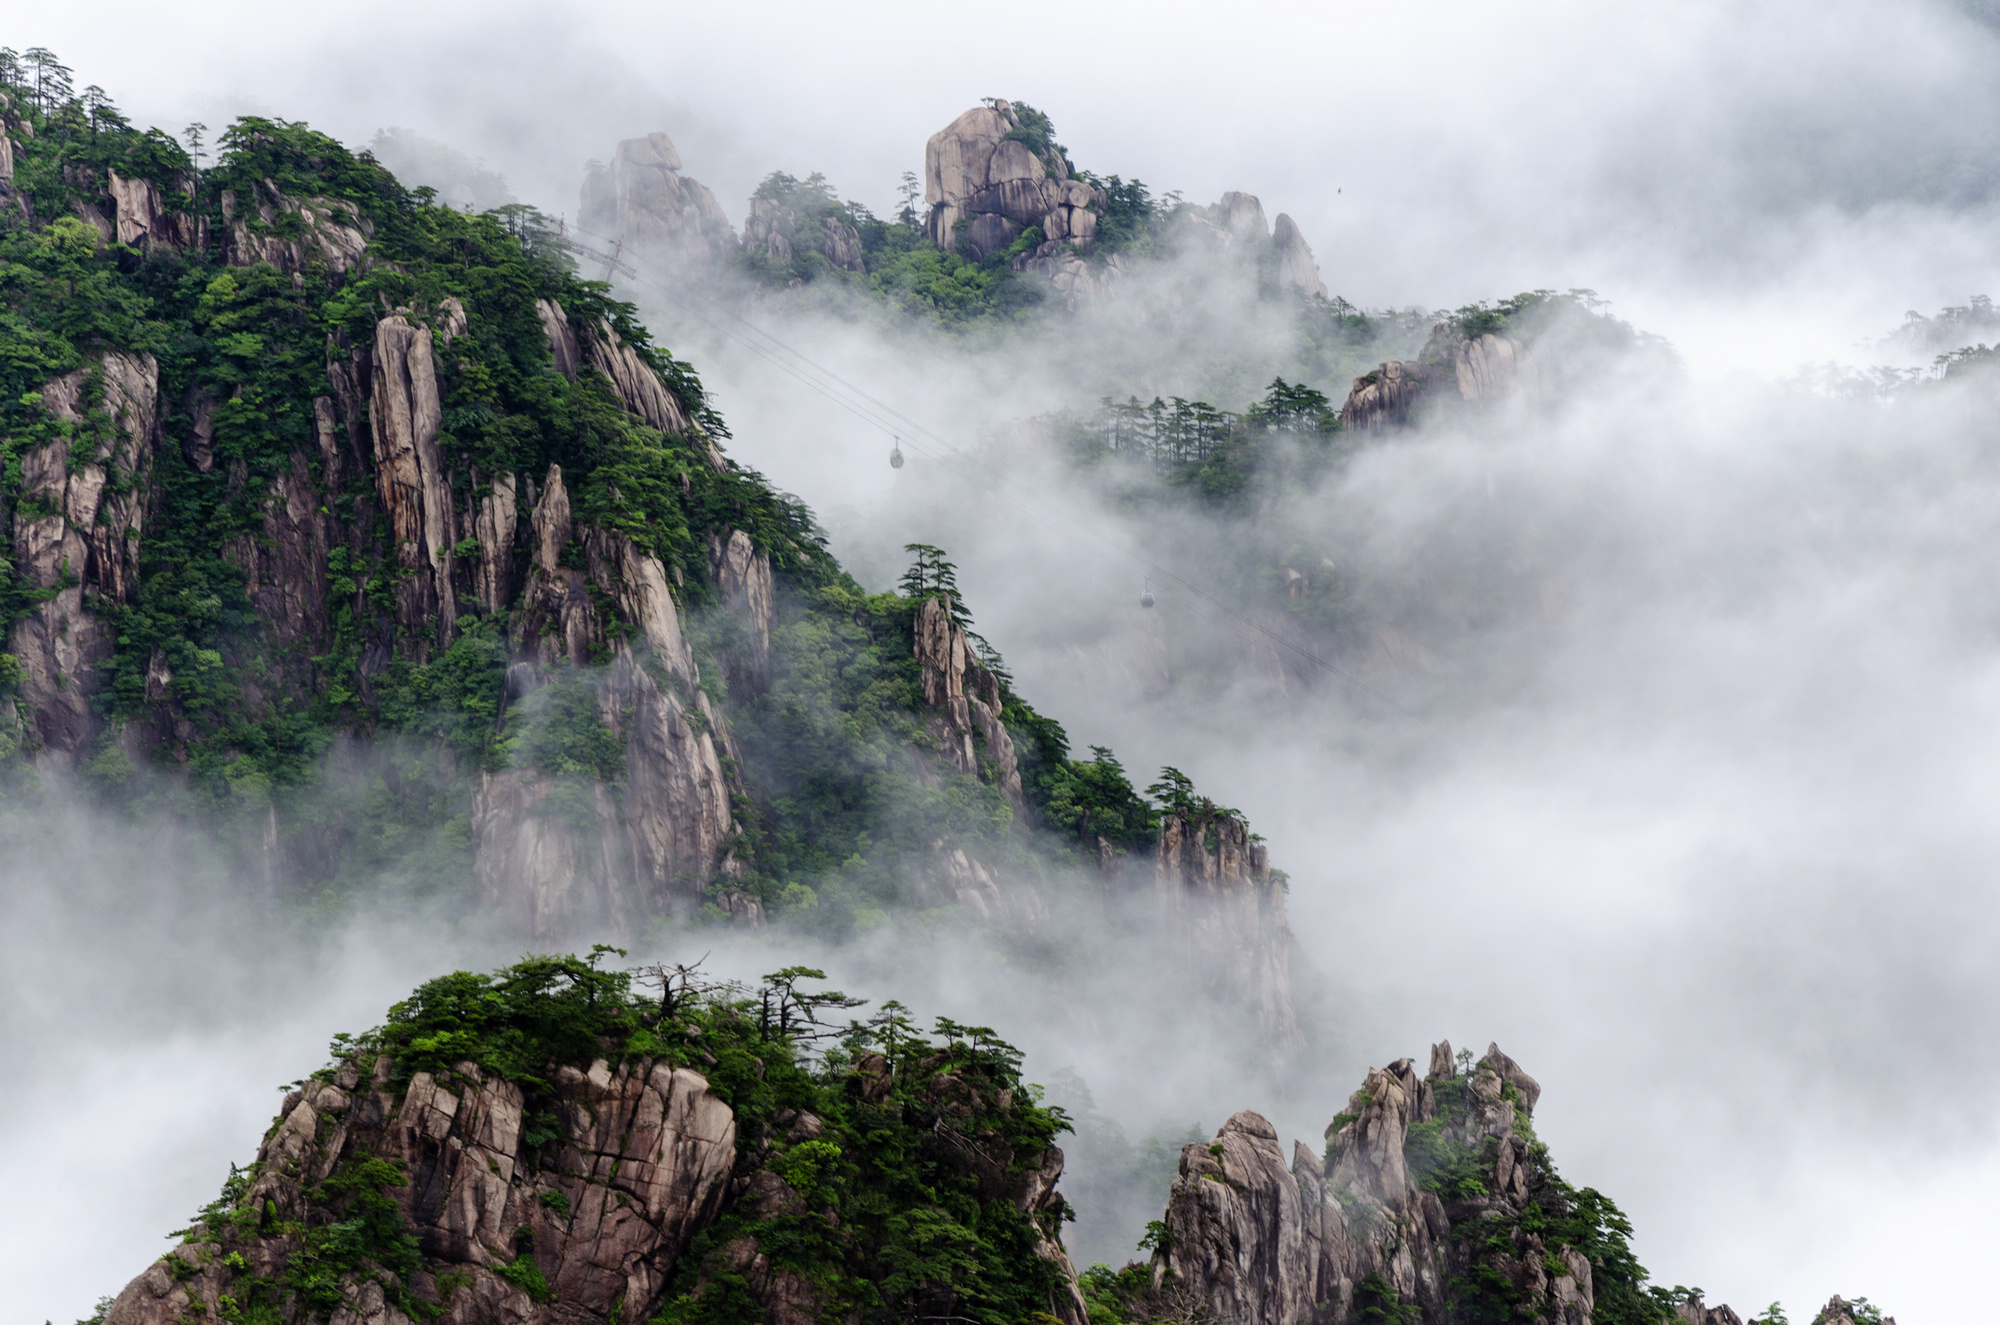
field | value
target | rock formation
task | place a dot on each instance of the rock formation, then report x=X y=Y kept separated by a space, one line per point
x=1235 y=224
x=773 y=229
x=641 y=1162
x=644 y=201
x=965 y=699
x=980 y=175
x=1488 y=372
x=1296 y=267
x=538 y=1181
x=330 y=232
x=1838 y=1311
x=1377 y=1225
x=555 y=857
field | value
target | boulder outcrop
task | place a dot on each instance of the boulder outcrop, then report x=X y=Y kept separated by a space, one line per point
x=1235 y=224
x=604 y=1152
x=1491 y=373
x=772 y=229
x=1839 y=1311
x=987 y=181
x=642 y=200
x=329 y=235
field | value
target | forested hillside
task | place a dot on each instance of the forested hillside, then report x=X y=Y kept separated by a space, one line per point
x=364 y=534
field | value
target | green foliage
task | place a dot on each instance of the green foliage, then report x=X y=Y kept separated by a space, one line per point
x=1376 y=1302
x=1288 y=438
x=1114 y=1297
x=1443 y=1164
x=513 y=1023
x=931 y=575
x=1129 y=219
x=1035 y=131
x=917 y=1178
x=1560 y=1215
x=799 y=214
x=916 y=280
x=560 y=730
x=1093 y=798
x=524 y=1274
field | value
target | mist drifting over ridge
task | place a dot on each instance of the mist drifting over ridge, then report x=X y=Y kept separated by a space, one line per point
x=1707 y=825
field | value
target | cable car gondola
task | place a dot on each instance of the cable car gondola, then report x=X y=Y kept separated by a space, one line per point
x=896 y=454
x=1146 y=598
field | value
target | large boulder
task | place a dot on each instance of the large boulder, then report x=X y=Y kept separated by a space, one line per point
x=989 y=178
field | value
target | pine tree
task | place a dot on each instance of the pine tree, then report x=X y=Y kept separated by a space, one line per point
x=52 y=78
x=932 y=575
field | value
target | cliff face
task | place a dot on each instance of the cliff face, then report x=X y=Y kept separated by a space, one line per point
x=1274 y=1242
x=603 y=1153
x=423 y=564
x=79 y=519
x=649 y=845
x=640 y=1163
